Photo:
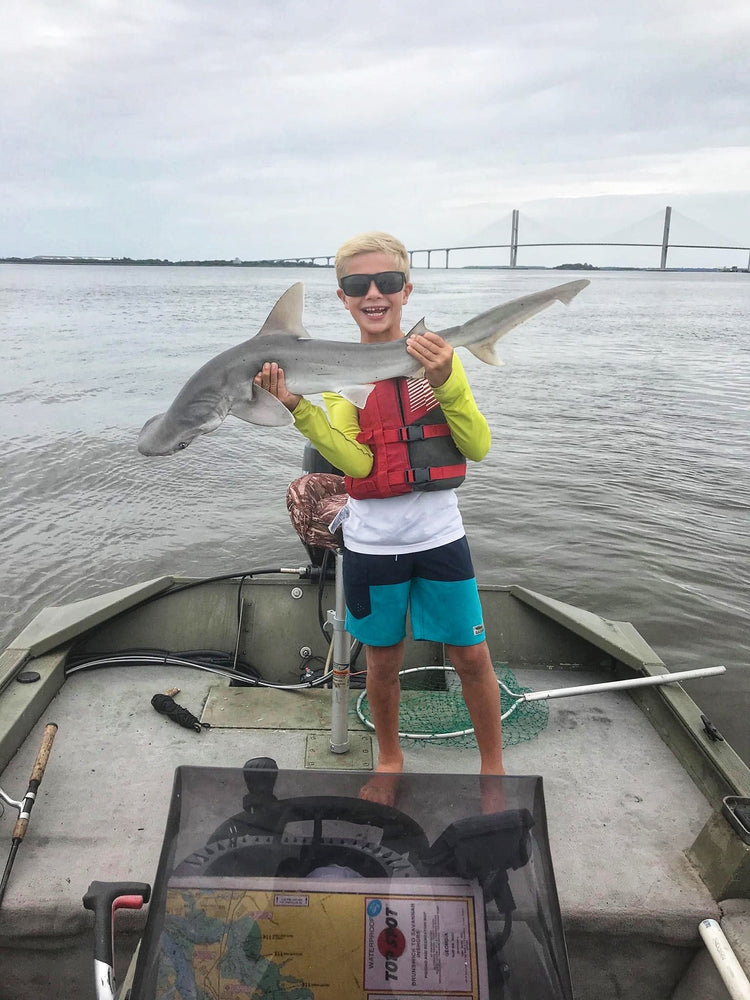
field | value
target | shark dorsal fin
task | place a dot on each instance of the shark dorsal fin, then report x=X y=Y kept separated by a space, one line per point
x=418 y=328
x=286 y=315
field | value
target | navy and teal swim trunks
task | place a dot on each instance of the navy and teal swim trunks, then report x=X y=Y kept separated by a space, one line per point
x=437 y=586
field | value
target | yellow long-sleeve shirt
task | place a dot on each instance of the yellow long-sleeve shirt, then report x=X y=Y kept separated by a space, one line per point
x=334 y=431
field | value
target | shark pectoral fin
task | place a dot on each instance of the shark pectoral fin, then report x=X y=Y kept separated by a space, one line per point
x=263 y=408
x=286 y=315
x=486 y=352
x=356 y=394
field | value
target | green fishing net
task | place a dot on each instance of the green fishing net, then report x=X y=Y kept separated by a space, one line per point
x=432 y=708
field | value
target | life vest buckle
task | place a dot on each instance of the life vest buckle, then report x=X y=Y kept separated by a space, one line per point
x=417 y=476
x=413 y=432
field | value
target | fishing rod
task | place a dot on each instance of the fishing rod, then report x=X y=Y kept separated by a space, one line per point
x=25 y=805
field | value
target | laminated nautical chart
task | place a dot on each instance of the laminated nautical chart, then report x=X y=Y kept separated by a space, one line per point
x=323 y=939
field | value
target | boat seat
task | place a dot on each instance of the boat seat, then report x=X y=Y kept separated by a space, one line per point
x=313 y=501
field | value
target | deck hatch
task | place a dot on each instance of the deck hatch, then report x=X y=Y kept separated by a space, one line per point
x=269 y=708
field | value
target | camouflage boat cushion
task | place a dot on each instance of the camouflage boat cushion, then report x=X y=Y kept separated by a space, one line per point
x=313 y=501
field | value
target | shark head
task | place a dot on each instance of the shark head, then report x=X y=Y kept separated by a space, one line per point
x=155 y=438
x=164 y=434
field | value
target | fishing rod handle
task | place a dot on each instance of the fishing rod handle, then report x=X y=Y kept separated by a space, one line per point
x=37 y=773
x=48 y=737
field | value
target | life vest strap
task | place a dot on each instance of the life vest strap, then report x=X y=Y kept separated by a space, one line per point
x=415 y=432
x=420 y=476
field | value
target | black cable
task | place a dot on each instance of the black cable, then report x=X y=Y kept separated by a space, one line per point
x=140 y=659
x=321 y=584
x=249 y=675
x=205 y=657
x=248 y=574
x=235 y=657
x=217 y=579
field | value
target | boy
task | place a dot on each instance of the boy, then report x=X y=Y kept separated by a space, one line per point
x=403 y=455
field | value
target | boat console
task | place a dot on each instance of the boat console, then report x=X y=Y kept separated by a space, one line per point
x=275 y=883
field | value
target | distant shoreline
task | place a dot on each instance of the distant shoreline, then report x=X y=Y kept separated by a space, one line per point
x=156 y=262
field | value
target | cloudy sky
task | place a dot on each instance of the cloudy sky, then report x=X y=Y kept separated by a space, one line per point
x=256 y=128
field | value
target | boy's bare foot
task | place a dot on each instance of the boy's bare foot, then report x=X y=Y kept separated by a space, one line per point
x=383 y=785
x=491 y=791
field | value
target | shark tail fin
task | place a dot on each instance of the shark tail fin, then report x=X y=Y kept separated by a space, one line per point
x=567 y=292
x=520 y=311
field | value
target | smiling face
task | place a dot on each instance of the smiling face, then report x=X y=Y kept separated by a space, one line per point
x=378 y=316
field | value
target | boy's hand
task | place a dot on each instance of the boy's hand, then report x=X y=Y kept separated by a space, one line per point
x=434 y=354
x=271 y=378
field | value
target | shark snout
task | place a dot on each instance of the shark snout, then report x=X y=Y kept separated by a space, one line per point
x=154 y=439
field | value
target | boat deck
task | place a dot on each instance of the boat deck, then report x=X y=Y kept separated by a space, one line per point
x=621 y=812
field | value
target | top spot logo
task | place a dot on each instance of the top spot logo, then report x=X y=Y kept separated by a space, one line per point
x=391 y=944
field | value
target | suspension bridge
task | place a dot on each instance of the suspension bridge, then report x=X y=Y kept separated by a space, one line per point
x=514 y=244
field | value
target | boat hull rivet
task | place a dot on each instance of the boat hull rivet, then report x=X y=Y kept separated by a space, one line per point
x=296 y=593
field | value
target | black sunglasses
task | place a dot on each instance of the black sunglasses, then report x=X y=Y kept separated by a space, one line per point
x=386 y=282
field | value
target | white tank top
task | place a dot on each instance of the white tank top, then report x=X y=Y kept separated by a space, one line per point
x=408 y=523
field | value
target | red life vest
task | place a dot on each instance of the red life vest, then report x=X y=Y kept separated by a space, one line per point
x=411 y=442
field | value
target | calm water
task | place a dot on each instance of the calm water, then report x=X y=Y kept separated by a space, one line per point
x=618 y=477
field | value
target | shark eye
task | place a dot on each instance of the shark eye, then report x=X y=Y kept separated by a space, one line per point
x=182 y=445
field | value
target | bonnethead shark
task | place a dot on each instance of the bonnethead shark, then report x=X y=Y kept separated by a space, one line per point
x=225 y=384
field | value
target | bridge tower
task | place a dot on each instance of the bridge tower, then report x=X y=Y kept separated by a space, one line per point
x=665 y=237
x=514 y=237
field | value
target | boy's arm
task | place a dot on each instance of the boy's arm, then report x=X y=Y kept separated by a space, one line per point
x=335 y=434
x=336 y=440
x=469 y=429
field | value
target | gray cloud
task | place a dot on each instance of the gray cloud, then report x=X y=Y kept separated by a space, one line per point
x=176 y=128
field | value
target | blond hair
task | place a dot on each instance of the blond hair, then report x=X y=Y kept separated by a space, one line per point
x=372 y=242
